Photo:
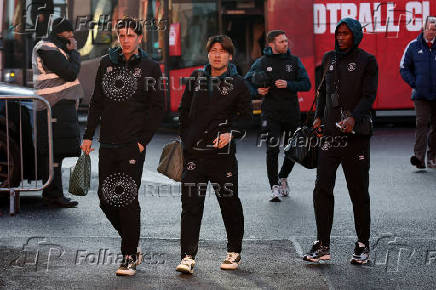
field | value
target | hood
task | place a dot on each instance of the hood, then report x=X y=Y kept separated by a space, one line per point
x=115 y=55
x=268 y=52
x=231 y=70
x=356 y=29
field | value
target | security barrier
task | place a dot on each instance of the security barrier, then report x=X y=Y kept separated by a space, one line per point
x=15 y=166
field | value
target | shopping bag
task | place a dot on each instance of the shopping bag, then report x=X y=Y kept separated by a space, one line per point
x=80 y=176
x=171 y=160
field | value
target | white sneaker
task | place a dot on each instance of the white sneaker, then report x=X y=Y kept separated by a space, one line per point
x=231 y=262
x=275 y=194
x=186 y=265
x=284 y=187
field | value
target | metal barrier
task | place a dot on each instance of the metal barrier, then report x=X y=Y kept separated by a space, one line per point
x=14 y=192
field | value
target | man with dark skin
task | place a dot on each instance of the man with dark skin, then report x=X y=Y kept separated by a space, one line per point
x=346 y=94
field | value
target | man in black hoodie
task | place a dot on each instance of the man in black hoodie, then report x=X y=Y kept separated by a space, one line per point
x=346 y=95
x=214 y=99
x=278 y=76
x=128 y=105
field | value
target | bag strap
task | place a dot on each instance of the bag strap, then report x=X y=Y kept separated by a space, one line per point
x=316 y=96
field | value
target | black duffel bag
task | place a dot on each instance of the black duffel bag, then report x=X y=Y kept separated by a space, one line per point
x=303 y=147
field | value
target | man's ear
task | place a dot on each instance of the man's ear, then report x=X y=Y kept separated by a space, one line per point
x=140 y=38
x=231 y=57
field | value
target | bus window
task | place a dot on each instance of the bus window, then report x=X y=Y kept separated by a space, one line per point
x=198 y=20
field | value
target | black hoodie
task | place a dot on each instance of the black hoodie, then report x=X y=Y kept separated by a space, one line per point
x=127 y=101
x=353 y=74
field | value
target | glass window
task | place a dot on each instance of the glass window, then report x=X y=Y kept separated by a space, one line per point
x=198 y=20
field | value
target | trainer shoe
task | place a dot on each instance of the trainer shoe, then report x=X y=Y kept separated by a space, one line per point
x=361 y=254
x=431 y=163
x=317 y=253
x=416 y=162
x=275 y=194
x=127 y=266
x=284 y=187
x=186 y=265
x=231 y=262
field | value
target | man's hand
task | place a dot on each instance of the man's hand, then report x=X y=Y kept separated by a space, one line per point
x=72 y=43
x=317 y=126
x=222 y=140
x=141 y=147
x=316 y=123
x=347 y=124
x=86 y=146
x=262 y=91
x=281 y=84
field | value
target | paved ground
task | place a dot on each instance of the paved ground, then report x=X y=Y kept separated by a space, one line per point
x=68 y=241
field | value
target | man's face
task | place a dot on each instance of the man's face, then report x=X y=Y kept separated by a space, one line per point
x=344 y=36
x=280 y=44
x=430 y=31
x=218 y=57
x=66 y=34
x=128 y=40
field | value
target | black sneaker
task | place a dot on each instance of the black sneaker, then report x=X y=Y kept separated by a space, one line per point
x=127 y=266
x=317 y=253
x=416 y=162
x=361 y=254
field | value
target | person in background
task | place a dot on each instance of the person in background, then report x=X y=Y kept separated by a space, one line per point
x=418 y=70
x=56 y=65
x=277 y=77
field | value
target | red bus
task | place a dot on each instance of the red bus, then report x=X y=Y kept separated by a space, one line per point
x=177 y=30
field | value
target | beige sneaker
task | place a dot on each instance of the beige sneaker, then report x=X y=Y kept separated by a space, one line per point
x=127 y=267
x=231 y=262
x=186 y=265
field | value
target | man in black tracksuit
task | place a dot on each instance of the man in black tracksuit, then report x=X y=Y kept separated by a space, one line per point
x=345 y=99
x=128 y=105
x=277 y=76
x=214 y=99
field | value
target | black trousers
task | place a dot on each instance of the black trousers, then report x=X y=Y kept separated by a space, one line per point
x=355 y=160
x=120 y=171
x=278 y=133
x=222 y=173
x=55 y=188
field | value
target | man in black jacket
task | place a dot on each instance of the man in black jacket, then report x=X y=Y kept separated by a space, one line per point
x=345 y=99
x=56 y=65
x=277 y=76
x=214 y=99
x=128 y=104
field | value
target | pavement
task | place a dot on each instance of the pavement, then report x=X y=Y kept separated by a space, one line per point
x=77 y=248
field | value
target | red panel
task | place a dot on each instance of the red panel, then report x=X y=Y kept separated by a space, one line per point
x=174 y=40
x=176 y=87
x=294 y=17
x=391 y=25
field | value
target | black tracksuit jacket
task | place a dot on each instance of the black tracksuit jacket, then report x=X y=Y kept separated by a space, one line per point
x=207 y=110
x=127 y=100
x=357 y=73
